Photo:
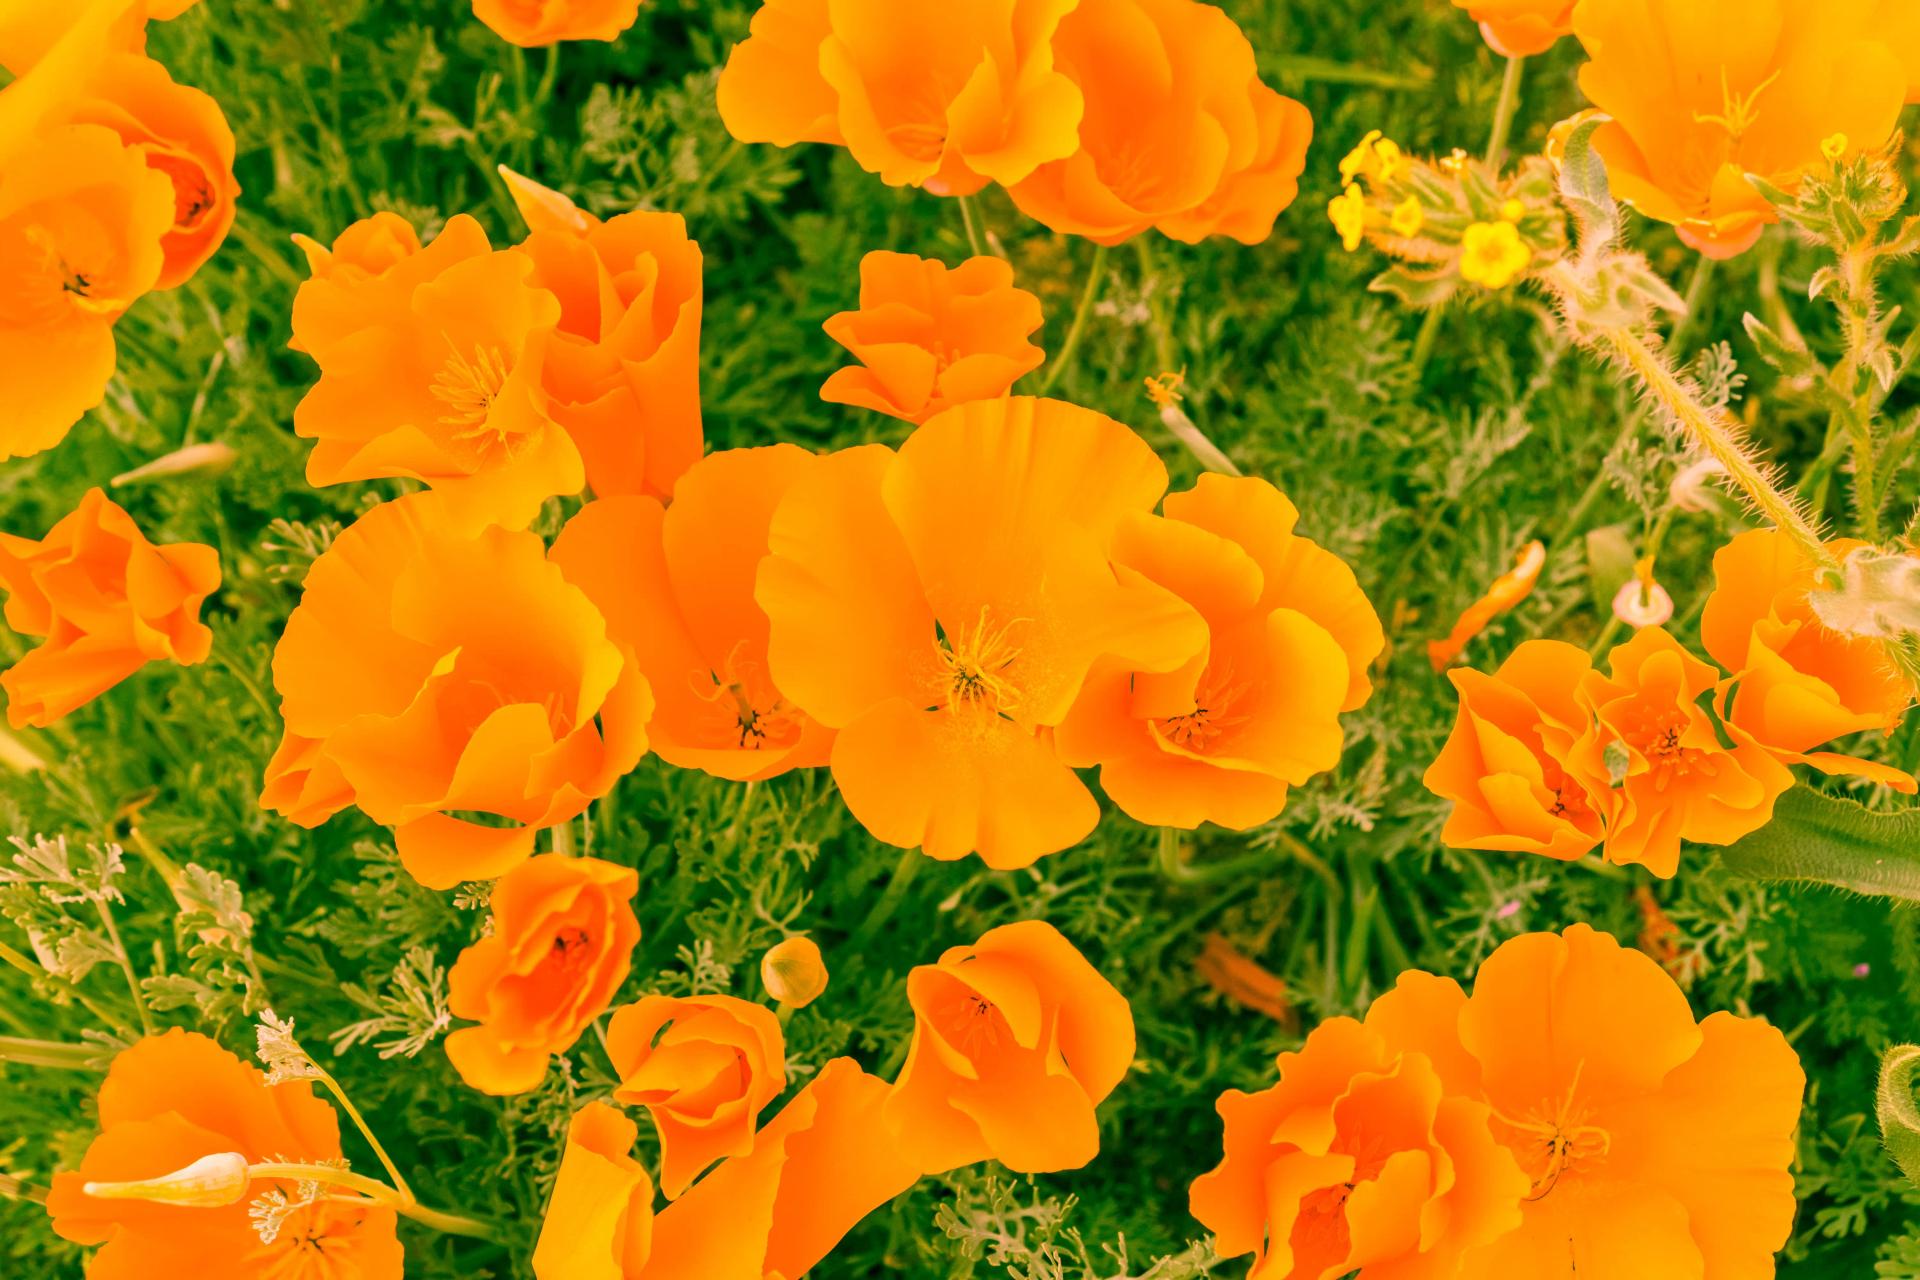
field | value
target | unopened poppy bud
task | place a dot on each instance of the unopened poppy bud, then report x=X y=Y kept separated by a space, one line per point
x=208 y=1183
x=794 y=972
x=213 y=458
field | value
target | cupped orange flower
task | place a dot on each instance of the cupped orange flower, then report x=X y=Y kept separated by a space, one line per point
x=1506 y=765
x=1797 y=685
x=562 y=941
x=1702 y=93
x=704 y=1067
x=676 y=587
x=1290 y=638
x=1521 y=28
x=945 y=96
x=1016 y=1040
x=1179 y=133
x=1654 y=1145
x=599 y=1219
x=431 y=368
x=176 y=1098
x=942 y=606
x=533 y=23
x=1357 y=1161
x=623 y=369
x=1670 y=777
x=454 y=686
x=108 y=602
x=929 y=338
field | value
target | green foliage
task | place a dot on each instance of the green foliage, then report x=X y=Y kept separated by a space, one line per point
x=1825 y=839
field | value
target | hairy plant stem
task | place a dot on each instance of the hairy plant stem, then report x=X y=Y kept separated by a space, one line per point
x=1096 y=276
x=400 y=1201
x=1860 y=312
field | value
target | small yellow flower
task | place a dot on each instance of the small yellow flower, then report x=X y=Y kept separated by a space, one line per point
x=1513 y=211
x=1349 y=213
x=1392 y=160
x=1360 y=160
x=1493 y=255
x=1408 y=217
x=1835 y=148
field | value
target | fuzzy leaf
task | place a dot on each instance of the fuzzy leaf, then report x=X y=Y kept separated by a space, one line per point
x=1899 y=1116
x=1415 y=288
x=1583 y=180
x=1822 y=839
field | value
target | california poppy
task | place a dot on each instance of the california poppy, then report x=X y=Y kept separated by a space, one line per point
x=794 y=972
x=1899 y=24
x=533 y=23
x=454 y=686
x=929 y=338
x=940 y=607
x=107 y=602
x=561 y=943
x=1521 y=28
x=175 y=1098
x=599 y=1219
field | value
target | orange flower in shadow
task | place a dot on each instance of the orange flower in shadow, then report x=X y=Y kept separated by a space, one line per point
x=599 y=1220
x=704 y=1067
x=948 y=97
x=623 y=368
x=1016 y=1040
x=107 y=602
x=1243 y=980
x=1653 y=1145
x=176 y=1098
x=1520 y=28
x=1179 y=134
x=1702 y=93
x=929 y=338
x=676 y=587
x=1507 y=591
x=562 y=940
x=1352 y=1161
x=533 y=23
x=1507 y=763
x=453 y=686
x=1797 y=685
x=1290 y=638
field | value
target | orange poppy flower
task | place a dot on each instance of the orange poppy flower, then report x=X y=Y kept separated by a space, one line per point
x=1899 y=25
x=533 y=23
x=1797 y=685
x=1179 y=134
x=1016 y=1040
x=1520 y=28
x=599 y=1220
x=941 y=607
x=1507 y=763
x=174 y=1099
x=1654 y=1145
x=431 y=368
x=949 y=97
x=563 y=937
x=108 y=602
x=1671 y=777
x=704 y=1067
x=623 y=368
x=1290 y=638
x=1236 y=976
x=928 y=338
x=1702 y=93
x=432 y=676
x=1351 y=1163
x=676 y=587
x=819 y=1167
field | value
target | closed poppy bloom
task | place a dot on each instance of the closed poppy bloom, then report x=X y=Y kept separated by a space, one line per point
x=794 y=972
x=599 y=1219
x=942 y=606
x=177 y=1098
x=1797 y=685
x=432 y=676
x=676 y=586
x=562 y=940
x=821 y=1165
x=929 y=338
x=107 y=602
x=1520 y=28
x=1507 y=765
x=622 y=372
x=1654 y=1145
x=1672 y=778
x=1016 y=1040
x=1702 y=93
x=1350 y=1163
x=1179 y=134
x=533 y=23
x=704 y=1067
x=946 y=97
x=431 y=368
x=1290 y=638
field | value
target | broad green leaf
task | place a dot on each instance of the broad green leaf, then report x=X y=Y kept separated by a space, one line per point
x=1899 y=1116
x=1823 y=839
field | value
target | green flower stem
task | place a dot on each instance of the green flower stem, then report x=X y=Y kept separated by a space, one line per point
x=126 y=965
x=400 y=1202
x=1504 y=111
x=49 y=1053
x=971 y=217
x=1096 y=277
x=1696 y=297
x=903 y=873
x=366 y=1130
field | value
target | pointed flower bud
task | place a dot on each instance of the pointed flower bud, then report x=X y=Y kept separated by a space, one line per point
x=208 y=1183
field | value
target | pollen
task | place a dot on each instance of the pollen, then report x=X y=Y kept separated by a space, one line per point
x=1738 y=114
x=975 y=664
x=468 y=388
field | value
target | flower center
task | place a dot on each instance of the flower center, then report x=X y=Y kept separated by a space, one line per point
x=1554 y=1140
x=1213 y=714
x=1737 y=114
x=1660 y=736
x=974 y=666
x=468 y=389
x=570 y=946
x=751 y=713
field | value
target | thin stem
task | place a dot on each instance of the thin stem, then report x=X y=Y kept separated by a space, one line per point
x=1583 y=505
x=14 y=1189
x=126 y=965
x=1096 y=276
x=563 y=841
x=1696 y=297
x=600 y=1034
x=366 y=1130
x=1860 y=311
x=1423 y=342
x=15 y=754
x=50 y=1053
x=903 y=874
x=971 y=219
x=1188 y=433
x=1504 y=111
x=401 y=1202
